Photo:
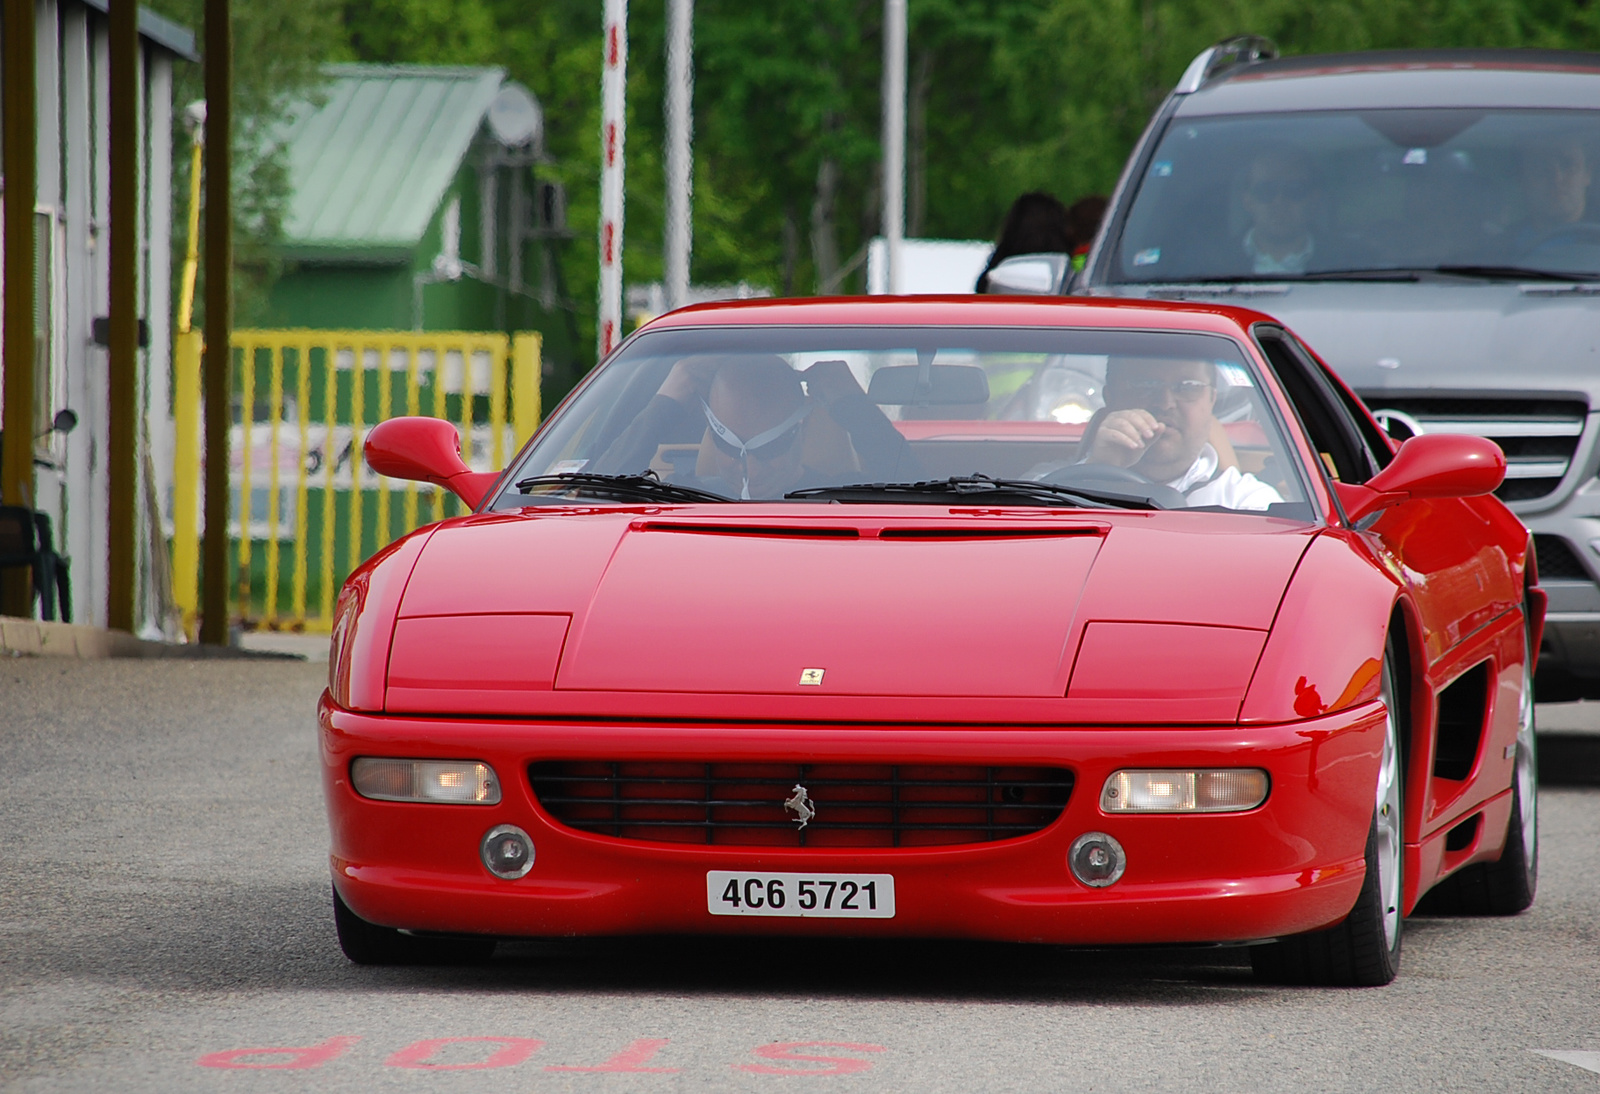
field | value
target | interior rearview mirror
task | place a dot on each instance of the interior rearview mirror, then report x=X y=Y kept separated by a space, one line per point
x=942 y=385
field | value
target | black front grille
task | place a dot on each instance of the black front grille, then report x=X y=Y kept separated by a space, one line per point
x=856 y=805
x=1557 y=561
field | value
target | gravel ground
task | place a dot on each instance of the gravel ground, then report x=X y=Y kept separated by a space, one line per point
x=163 y=904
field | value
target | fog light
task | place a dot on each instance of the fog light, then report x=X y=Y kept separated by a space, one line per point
x=1096 y=859
x=507 y=851
x=464 y=782
x=1229 y=790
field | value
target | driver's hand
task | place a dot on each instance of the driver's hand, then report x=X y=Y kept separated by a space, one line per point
x=831 y=381
x=1123 y=437
x=690 y=379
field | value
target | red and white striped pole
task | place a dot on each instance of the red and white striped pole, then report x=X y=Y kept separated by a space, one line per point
x=613 y=122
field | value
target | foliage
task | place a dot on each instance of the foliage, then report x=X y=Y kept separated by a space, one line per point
x=1006 y=96
x=277 y=49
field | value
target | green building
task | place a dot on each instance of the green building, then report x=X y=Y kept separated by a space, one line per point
x=417 y=204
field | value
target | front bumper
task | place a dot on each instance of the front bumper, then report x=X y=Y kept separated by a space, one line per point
x=1294 y=864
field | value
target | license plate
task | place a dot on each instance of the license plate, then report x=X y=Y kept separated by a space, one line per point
x=823 y=896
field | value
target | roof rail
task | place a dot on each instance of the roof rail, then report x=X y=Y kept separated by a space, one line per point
x=1243 y=50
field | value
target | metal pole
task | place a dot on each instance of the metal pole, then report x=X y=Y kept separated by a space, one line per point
x=894 y=136
x=613 y=127
x=20 y=150
x=195 y=119
x=680 y=162
x=218 y=366
x=122 y=452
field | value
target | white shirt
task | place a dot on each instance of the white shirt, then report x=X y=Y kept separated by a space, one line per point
x=1231 y=489
x=1263 y=263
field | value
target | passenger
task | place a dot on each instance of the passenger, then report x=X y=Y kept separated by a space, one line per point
x=1555 y=183
x=1036 y=223
x=1158 y=421
x=1278 y=197
x=762 y=433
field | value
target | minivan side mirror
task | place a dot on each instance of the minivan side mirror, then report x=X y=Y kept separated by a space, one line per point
x=425 y=450
x=1043 y=274
x=1432 y=465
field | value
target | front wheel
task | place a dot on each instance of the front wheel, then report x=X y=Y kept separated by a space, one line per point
x=1364 y=950
x=369 y=944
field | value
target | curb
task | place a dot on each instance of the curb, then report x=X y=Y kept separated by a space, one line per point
x=35 y=638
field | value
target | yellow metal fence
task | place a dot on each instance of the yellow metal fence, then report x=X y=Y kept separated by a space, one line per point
x=305 y=510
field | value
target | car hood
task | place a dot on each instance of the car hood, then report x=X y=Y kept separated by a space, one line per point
x=884 y=601
x=1453 y=335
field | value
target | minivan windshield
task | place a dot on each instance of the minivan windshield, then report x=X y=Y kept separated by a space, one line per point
x=939 y=415
x=1385 y=193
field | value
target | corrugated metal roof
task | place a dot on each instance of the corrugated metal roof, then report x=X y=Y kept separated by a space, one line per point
x=175 y=37
x=369 y=165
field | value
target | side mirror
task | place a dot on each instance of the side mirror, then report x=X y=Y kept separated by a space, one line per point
x=425 y=450
x=1433 y=465
x=1031 y=275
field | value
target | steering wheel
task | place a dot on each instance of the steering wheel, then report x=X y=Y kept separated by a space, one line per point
x=1118 y=480
x=1568 y=235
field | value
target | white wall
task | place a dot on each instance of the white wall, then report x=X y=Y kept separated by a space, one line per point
x=73 y=187
x=929 y=265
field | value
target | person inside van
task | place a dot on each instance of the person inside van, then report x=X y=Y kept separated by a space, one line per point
x=1555 y=184
x=1279 y=191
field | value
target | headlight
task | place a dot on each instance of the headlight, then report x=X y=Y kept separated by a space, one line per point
x=1229 y=790
x=462 y=782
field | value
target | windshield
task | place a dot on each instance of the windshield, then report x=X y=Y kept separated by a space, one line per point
x=1064 y=417
x=1288 y=195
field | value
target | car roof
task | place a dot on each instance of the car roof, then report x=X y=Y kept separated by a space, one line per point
x=967 y=311
x=1418 y=79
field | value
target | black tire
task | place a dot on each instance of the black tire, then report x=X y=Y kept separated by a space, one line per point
x=1364 y=949
x=1507 y=886
x=369 y=944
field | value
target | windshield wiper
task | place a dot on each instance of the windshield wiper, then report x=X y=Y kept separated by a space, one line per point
x=1513 y=273
x=645 y=487
x=1284 y=280
x=975 y=488
x=1374 y=274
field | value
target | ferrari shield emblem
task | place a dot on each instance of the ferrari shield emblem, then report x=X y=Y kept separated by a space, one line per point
x=811 y=677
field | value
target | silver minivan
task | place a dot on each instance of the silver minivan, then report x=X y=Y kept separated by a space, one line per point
x=1428 y=222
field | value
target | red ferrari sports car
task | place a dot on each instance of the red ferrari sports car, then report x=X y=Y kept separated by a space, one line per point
x=1061 y=621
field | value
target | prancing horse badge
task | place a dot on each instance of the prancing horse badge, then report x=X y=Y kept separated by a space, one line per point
x=800 y=805
x=811 y=677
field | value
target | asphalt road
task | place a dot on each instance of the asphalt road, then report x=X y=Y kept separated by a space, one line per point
x=163 y=905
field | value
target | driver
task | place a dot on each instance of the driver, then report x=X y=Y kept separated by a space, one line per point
x=1280 y=187
x=1158 y=422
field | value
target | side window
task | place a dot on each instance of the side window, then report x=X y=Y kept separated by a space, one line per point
x=1327 y=423
x=1373 y=439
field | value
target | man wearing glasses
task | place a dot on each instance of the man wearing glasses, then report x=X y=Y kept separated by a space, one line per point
x=1278 y=193
x=1158 y=421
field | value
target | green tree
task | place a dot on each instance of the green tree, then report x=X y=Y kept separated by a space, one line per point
x=277 y=49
